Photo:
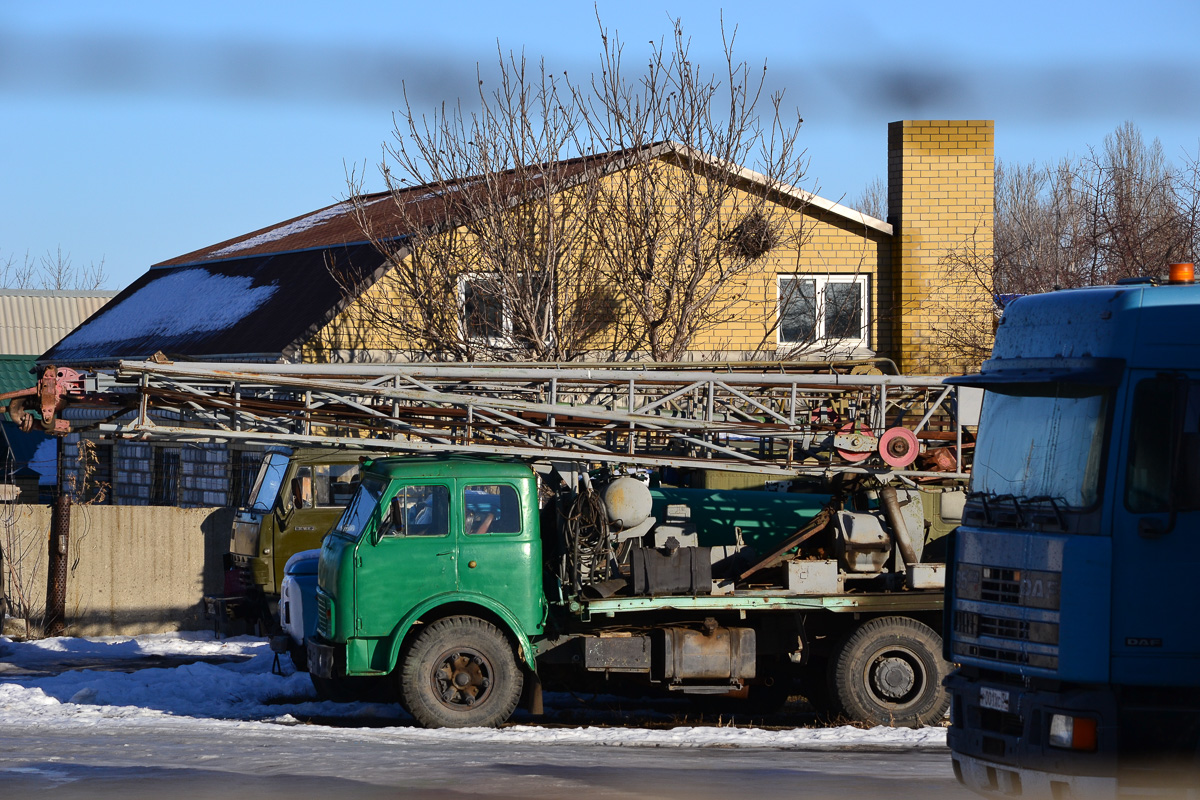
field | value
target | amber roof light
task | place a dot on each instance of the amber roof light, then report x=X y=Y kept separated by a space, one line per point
x=1181 y=273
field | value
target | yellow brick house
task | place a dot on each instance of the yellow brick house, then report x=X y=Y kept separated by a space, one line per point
x=838 y=285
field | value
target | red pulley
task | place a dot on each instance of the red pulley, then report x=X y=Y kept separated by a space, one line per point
x=898 y=447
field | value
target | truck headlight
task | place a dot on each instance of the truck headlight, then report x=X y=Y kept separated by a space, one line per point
x=1073 y=733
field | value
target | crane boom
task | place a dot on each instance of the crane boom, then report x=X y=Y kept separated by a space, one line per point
x=783 y=420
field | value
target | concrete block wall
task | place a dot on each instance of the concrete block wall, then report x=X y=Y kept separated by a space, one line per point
x=134 y=569
x=940 y=201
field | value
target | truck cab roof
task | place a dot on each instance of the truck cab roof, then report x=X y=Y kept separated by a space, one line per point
x=449 y=466
x=330 y=455
x=1092 y=335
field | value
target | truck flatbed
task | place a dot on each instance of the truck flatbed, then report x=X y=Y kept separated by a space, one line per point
x=746 y=600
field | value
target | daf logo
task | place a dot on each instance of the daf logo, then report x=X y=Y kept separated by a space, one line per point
x=1142 y=641
x=1038 y=588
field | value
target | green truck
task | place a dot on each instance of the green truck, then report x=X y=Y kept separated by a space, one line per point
x=469 y=583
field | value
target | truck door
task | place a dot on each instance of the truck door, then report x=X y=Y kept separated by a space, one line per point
x=499 y=550
x=411 y=560
x=311 y=505
x=1156 y=533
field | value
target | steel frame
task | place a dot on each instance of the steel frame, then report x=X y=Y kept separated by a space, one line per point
x=771 y=421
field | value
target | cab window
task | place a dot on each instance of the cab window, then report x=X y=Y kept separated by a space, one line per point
x=1164 y=446
x=325 y=485
x=491 y=508
x=423 y=511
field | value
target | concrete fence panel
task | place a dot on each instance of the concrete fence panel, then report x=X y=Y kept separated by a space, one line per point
x=133 y=569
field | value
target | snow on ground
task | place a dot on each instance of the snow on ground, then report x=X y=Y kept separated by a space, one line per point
x=246 y=692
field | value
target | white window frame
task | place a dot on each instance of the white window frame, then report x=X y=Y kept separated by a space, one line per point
x=820 y=340
x=504 y=339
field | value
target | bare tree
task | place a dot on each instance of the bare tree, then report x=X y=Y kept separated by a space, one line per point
x=873 y=200
x=1120 y=211
x=486 y=255
x=610 y=219
x=684 y=230
x=53 y=271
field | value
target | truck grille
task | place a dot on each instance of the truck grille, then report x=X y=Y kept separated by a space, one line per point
x=324 y=616
x=1006 y=656
x=1003 y=628
x=1000 y=586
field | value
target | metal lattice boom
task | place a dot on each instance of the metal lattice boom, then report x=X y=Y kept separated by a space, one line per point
x=776 y=421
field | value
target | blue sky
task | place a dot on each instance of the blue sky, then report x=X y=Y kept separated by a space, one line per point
x=138 y=131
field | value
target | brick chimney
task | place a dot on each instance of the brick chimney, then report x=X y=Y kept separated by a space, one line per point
x=941 y=184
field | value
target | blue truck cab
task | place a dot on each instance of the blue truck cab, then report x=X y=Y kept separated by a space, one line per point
x=1072 y=587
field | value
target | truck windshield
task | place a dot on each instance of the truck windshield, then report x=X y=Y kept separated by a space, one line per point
x=362 y=505
x=1040 y=442
x=266 y=485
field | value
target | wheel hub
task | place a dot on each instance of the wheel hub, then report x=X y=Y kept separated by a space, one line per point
x=461 y=678
x=893 y=677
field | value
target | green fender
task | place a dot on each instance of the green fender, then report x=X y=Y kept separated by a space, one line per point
x=526 y=651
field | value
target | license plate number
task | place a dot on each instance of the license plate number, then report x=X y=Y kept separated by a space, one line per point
x=995 y=699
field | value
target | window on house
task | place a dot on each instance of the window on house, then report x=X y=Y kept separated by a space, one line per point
x=243 y=469
x=165 y=491
x=823 y=311
x=489 y=311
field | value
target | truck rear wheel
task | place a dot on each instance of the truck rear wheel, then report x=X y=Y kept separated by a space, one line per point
x=460 y=672
x=889 y=671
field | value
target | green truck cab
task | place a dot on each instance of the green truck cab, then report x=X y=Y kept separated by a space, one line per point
x=454 y=538
x=464 y=583
x=296 y=497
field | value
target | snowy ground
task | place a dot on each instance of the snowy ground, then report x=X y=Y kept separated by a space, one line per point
x=243 y=692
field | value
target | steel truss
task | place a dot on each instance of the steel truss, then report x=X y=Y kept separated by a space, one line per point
x=780 y=421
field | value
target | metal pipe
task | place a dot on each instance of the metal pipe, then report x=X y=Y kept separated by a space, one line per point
x=218 y=370
x=56 y=573
x=891 y=509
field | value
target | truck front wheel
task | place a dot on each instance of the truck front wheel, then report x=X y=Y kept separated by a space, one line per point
x=460 y=672
x=889 y=671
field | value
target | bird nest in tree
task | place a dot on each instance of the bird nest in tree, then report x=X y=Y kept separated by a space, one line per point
x=753 y=237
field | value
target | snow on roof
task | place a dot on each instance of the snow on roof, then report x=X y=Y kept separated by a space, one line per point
x=288 y=229
x=185 y=302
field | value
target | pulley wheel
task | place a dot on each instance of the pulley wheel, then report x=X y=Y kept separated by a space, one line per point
x=899 y=447
x=851 y=455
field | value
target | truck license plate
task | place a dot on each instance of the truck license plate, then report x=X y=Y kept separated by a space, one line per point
x=995 y=699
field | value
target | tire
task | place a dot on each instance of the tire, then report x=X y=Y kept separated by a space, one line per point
x=889 y=671
x=460 y=672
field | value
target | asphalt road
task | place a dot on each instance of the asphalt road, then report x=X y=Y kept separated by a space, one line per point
x=267 y=761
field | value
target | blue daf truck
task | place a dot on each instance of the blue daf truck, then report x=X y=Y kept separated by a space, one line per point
x=1073 y=591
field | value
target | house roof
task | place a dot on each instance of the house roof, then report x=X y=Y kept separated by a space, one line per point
x=339 y=224
x=31 y=321
x=262 y=295
x=255 y=308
